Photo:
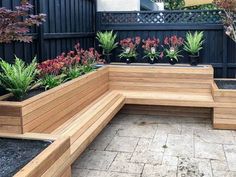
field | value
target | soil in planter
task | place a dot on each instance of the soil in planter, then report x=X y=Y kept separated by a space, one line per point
x=226 y=84
x=16 y=153
x=29 y=95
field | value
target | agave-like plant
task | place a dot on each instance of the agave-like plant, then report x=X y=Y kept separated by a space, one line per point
x=107 y=40
x=18 y=78
x=194 y=42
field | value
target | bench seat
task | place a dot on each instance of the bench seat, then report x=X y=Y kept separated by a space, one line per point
x=164 y=98
x=88 y=123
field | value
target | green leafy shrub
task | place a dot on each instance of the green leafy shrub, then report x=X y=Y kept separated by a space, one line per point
x=73 y=73
x=51 y=81
x=194 y=42
x=18 y=78
x=174 y=4
x=107 y=40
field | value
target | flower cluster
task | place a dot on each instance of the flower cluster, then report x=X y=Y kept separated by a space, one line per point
x=65 y=61
x=88 y=56
x=173 y=44
x=129 y=47
x=150 y=48
x=15 y=24
x=150 y=43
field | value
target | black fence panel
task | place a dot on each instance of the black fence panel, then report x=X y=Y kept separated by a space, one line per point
x=218 y=50
x=68 y=22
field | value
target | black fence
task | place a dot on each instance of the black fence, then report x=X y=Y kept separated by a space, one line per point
x=68 y=22
x=218 y=50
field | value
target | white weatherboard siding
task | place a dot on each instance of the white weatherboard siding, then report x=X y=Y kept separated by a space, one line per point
x=118 y=5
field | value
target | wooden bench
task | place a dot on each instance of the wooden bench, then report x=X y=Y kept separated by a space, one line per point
x=164 y=85
x=87 y=124
x=178 y=86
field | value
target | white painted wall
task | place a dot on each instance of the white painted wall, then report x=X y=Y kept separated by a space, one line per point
x=118 y=5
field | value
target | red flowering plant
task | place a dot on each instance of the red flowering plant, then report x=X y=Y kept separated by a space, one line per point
x=229 y=8
x=150 y=47
x=129 y=47
x=57 y=65
x=15 y=24
x=89 y=58
x=68 y=66
x=172 y=47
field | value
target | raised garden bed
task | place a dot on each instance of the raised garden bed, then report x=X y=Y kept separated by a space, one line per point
x=16 y=153
x=48 y=110
x=32 y=155
x=224 y=91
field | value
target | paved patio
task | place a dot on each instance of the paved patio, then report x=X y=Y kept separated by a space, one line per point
x=151 y=146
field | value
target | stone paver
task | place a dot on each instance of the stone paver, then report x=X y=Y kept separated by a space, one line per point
x=123 y=144
x=208 y=150
x=159 y=171
x=141 y=131
x=96 y=160
x=179 y=145
x=230 y=152
x=153 y=146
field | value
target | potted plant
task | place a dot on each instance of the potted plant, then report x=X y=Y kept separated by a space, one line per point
x=150 y=49
x=107 y=41
x=172 y=50
x=129 y=49
x=193 y=45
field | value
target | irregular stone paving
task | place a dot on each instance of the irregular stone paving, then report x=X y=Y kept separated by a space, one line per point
x=152 y=146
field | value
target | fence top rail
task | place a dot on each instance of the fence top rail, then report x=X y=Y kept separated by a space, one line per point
x=161 y=11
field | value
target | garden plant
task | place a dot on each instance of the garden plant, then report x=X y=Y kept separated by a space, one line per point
x=193 y=45
x=172 y=48
x=150 y=47
x=229 y=8
x=107 y=41
x=129 y=49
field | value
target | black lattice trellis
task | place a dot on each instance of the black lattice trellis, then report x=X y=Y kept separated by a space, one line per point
x=166 y=17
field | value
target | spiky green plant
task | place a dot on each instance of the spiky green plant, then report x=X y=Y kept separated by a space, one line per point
x=73 y=72
x=107 y=40
x=194 y=42
x=18 y=78
x=51 y=81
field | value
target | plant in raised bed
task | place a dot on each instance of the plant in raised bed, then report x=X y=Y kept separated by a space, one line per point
x=18 y=78
x=172 y=48
x=51 y=81
x=193 y=45
x=229 y=8
x=107 y=41
x=129 y=49
x=150 y=47
x=14 y=24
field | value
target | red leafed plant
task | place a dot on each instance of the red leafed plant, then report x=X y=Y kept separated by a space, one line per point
x=15 y=24
x=229 y=7
x=129 y=47
x=150 y=48
x=71 y=59
x=173 y=45
x=90 y=56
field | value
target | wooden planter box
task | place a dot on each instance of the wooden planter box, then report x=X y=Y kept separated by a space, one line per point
x=47 y=111
x=225 y=109
x=51 y=161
